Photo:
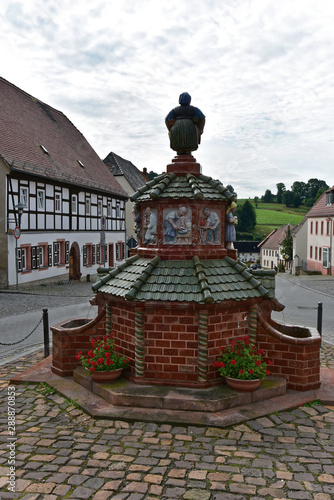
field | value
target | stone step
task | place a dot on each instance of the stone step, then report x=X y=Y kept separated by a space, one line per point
x=124 y=393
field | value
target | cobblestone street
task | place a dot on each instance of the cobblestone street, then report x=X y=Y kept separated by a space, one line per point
x=63 y=453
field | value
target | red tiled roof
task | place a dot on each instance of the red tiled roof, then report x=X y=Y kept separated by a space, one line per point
x=27 y=123
x=276 y=238
x=320 y=209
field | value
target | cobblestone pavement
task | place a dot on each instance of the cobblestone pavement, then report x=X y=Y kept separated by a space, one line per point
x=61 y=452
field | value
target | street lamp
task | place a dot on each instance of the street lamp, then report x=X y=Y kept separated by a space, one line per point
x=19 y=210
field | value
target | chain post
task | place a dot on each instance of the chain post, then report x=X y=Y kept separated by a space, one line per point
x=319 y=320
x=46 y=332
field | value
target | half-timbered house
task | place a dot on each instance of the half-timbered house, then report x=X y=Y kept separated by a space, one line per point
x=67 y=207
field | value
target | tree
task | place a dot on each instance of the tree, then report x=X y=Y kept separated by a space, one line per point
x=246 y=217
x=287 y=246
x=268 y=196
x=313 y=186
x=151 y=175
x=256 y=200
x=300 y=188
x=289 y=198
x=280 y=191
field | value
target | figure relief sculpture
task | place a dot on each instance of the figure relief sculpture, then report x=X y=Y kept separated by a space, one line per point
x=150 y=226
x=231 y=222
x=177 y=226
x=209 y=227
x=185 y=124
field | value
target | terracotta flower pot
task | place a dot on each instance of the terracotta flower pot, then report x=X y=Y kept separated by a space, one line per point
x=106 y=376
x=243 y=385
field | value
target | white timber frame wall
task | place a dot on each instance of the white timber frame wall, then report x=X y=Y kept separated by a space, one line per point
x=56 y=218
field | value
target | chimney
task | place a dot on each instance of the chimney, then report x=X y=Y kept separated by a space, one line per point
x=145 y=171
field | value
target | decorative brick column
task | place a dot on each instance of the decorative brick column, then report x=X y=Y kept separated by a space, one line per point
x=139 y=342
x=203 y=346
x=252 y=324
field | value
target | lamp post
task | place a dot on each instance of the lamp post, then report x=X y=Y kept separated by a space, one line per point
x=19 y=209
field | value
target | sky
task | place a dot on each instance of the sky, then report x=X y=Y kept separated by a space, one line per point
x=261 y=71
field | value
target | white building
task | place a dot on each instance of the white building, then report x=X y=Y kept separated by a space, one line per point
x=65 y=190
x=320 y=234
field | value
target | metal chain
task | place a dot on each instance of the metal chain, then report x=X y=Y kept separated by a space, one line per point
x=18 y=342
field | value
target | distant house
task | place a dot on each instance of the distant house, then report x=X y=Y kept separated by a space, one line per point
x=271 y=249
x=299 y=238
x=248 y=251
x=50 y=173
x=320 y=234
x=131 y=179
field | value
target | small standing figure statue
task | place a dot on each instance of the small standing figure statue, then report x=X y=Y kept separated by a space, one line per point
x=185 y=124
x=231 y=222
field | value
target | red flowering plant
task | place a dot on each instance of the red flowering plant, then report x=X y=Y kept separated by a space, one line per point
x=242 y=360
x=103 y=357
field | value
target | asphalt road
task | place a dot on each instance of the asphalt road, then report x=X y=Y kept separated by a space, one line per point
x=301 y=297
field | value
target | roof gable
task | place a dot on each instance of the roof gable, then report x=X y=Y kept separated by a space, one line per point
x=119 y=166
x=276 y=238
x=26 y=124
x=320 y=208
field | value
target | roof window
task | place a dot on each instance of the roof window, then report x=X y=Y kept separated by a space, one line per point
x=330 y=197
x=43 y=148
x=81 y=164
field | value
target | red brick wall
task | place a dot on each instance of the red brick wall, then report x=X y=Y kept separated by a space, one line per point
x=299 y=363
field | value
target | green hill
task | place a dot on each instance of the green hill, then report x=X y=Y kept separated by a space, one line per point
x=271 y=215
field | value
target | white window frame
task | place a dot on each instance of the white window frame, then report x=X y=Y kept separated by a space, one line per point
x=74 y=204
x=57 y=202
x=87 y=206
x=109 y=209
x=326 y=258
x=99 y=207
x=40 y=199
x=24 y=196
x=21 y=259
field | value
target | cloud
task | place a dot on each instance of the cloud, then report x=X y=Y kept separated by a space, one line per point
x=260 y=71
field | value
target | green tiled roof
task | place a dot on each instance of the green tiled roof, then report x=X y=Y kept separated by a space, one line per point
x=202 y=281
x=174 y=187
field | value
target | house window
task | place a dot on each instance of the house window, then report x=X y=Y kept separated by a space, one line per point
x=326 y=258
x=98 y=254
x=87 y=206
x=84 y=252
x=40 y=200
x=24 y=196
x=67 y=252
x=311 y=229
x=93 y=254
x=320 y=253
x=99 y=208
x=327 y=228
x=322 y=227
x=315 y=253
x=316 y=228
x=56 y=253
x=330 y=198
x=21 y=259
x=74 y=204
x=35 y=257
x=311 y=252
x=109 y=208
x=118 y=210
x=57 y=202
x=49 y=255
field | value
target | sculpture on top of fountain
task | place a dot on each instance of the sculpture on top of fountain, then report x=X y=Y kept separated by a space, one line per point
x=185 y=124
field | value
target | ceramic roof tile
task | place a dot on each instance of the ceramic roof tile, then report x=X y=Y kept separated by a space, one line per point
x=187 y=280
x=169 y=185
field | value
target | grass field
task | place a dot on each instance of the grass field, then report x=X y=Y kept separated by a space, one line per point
x=273 y=215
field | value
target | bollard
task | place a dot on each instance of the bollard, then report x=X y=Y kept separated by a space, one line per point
x=319 y=322
x=46 y=333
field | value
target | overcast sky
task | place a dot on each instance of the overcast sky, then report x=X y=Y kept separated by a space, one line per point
x=261 y=71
